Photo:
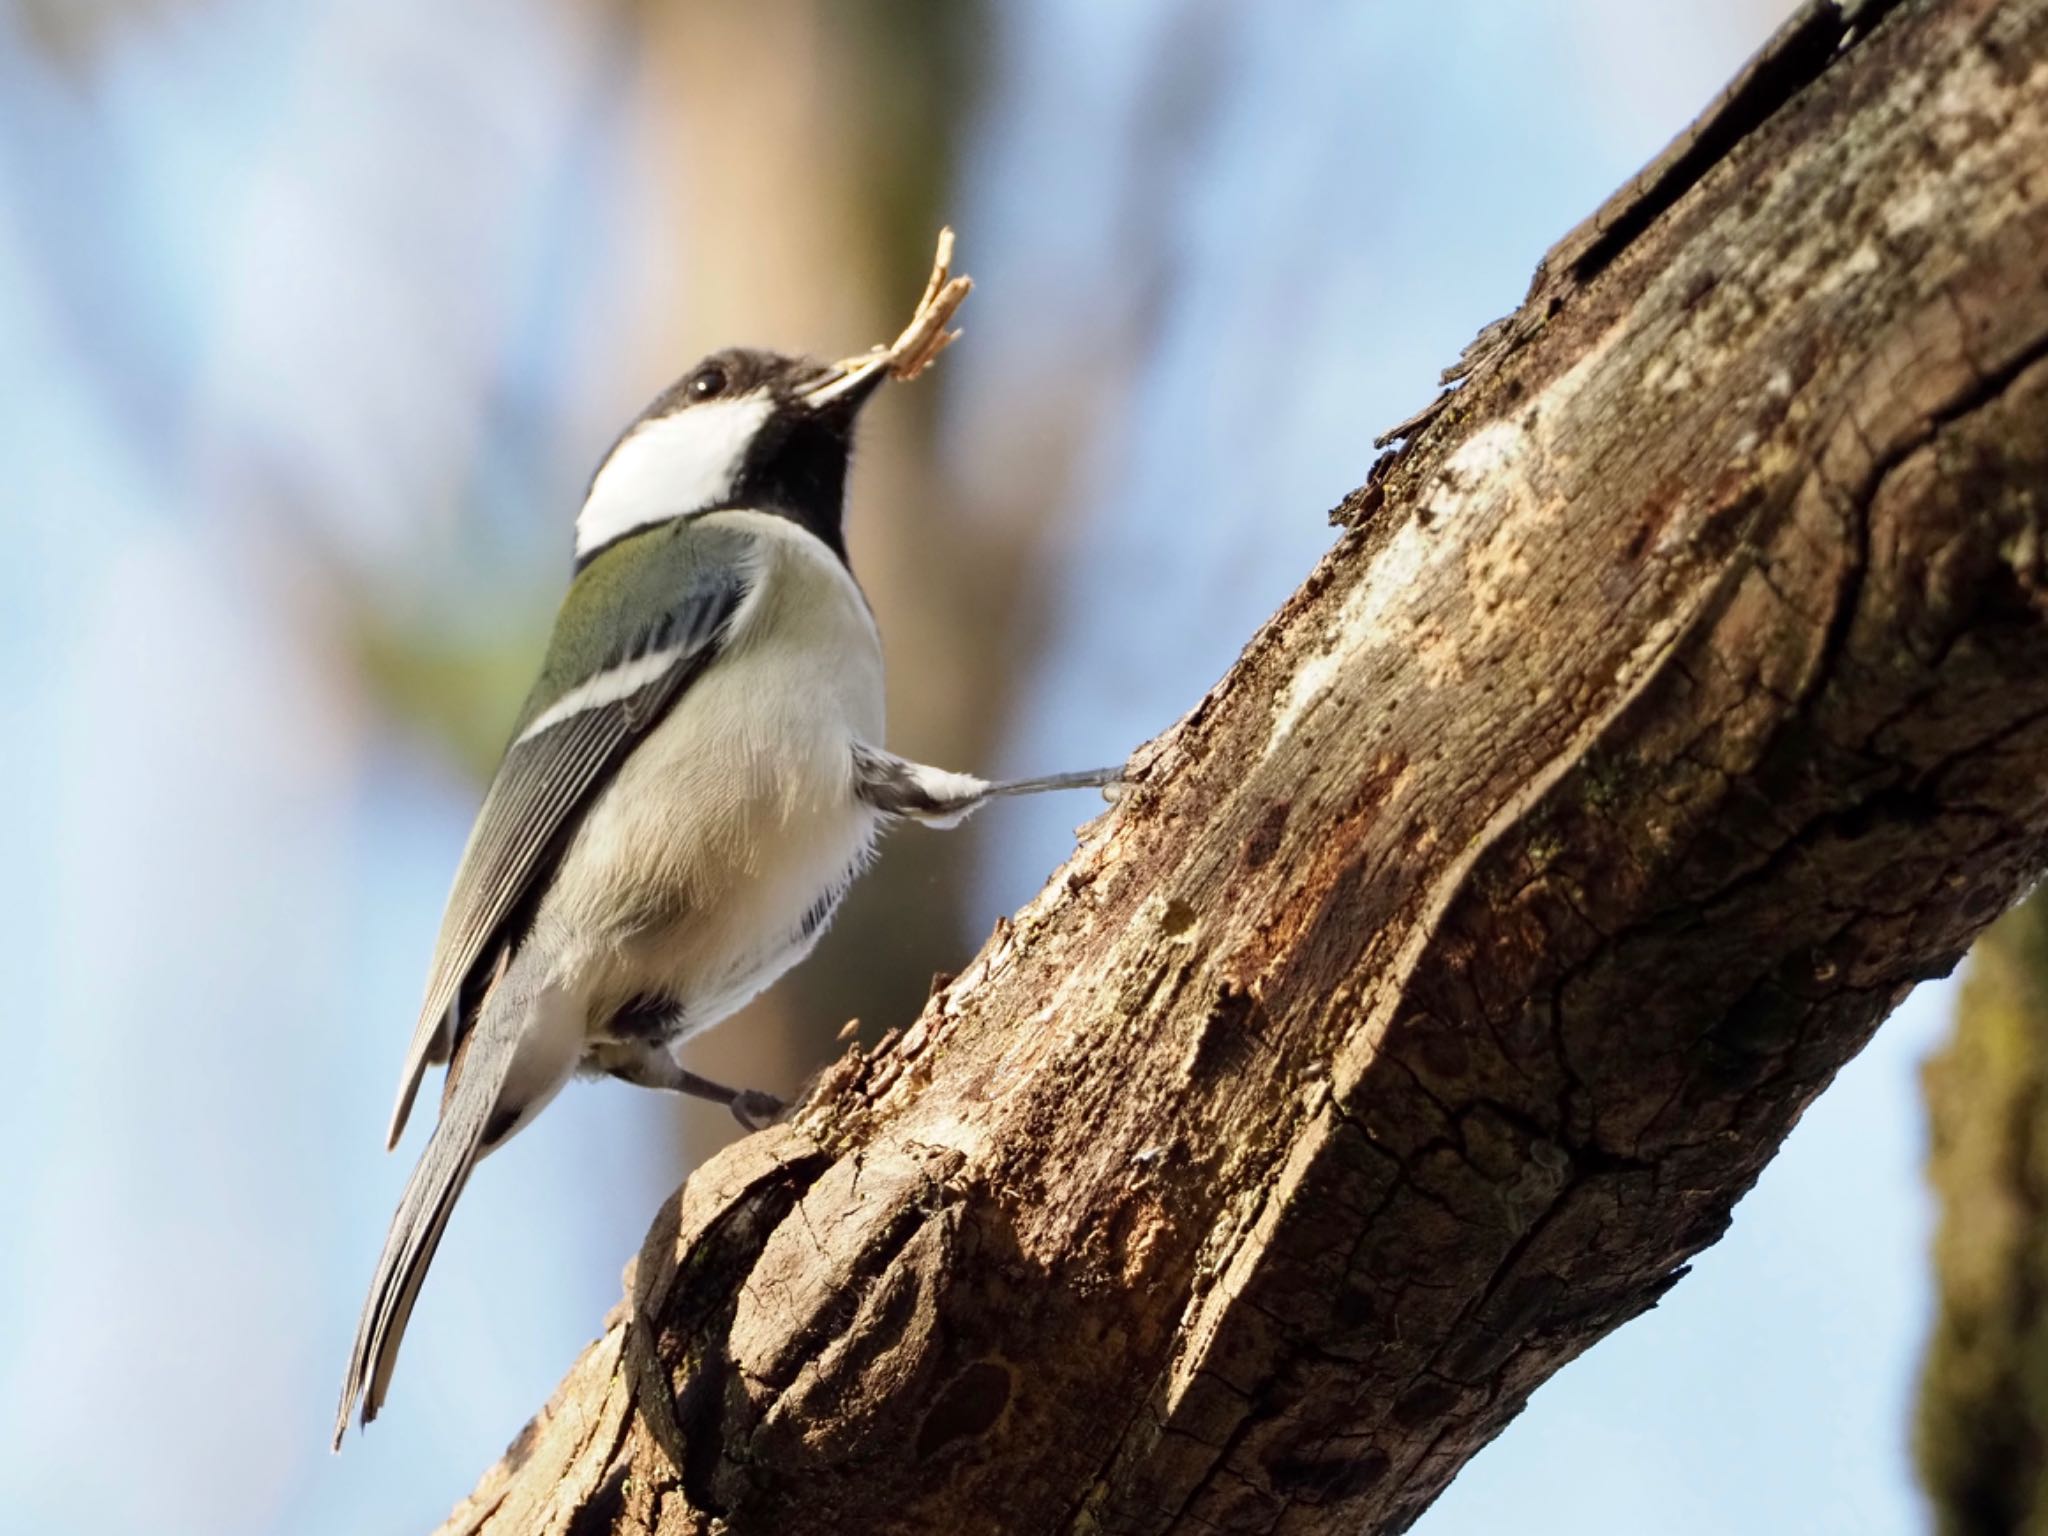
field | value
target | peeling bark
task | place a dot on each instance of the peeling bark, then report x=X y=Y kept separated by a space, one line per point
x=1673 y=701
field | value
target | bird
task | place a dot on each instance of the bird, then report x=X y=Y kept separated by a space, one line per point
x=693 y=782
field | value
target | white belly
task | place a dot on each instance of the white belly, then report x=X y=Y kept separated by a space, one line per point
x=697 y=873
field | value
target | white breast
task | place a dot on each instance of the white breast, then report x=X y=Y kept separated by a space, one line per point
x=693 y=873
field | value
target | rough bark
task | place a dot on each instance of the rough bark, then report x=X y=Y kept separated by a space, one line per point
x=1673 y=701
x=1982 y=1435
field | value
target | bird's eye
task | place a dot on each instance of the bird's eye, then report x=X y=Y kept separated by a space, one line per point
x=707 y=383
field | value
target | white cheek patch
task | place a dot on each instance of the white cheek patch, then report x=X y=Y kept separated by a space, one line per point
x=681 y=463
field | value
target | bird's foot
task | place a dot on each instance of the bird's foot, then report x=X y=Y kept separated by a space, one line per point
x=655 y=1068
x=754 y=1109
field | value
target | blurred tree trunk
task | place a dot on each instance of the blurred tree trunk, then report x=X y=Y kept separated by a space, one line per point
x=1676 y=699
x=1983 y=1430
x=809 y=146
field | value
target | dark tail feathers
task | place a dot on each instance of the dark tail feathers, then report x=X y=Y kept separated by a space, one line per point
x=416 y=1229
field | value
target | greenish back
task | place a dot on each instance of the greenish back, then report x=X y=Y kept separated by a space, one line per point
x=620 y=604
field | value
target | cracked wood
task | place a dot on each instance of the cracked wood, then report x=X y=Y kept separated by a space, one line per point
x=1672 y=702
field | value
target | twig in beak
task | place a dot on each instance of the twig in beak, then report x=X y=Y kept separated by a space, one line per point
x=922 y=340
x=926 y=336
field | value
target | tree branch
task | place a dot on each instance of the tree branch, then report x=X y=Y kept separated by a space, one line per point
x=1675 y=700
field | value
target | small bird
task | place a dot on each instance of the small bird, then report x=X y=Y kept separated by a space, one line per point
x=691 y=786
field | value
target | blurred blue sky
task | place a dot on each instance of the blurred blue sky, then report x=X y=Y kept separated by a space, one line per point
x=289 y=281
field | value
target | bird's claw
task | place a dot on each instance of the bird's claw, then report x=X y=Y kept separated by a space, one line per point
x=756 y=1110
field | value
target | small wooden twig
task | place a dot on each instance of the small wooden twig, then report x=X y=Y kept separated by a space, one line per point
x=926 y=336
x=923 y=339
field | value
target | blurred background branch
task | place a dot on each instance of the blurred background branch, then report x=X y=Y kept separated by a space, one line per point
x=70 y=32
x=1982 y=1431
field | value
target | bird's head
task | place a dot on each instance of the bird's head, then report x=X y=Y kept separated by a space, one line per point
x=743 y=428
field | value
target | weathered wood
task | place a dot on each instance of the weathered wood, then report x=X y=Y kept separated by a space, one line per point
x=1674 y=701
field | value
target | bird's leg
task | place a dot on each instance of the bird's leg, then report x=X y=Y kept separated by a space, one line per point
x=654 y=1067
x=940 y=798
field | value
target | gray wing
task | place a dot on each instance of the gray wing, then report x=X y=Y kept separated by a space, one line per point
x=552 y=771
